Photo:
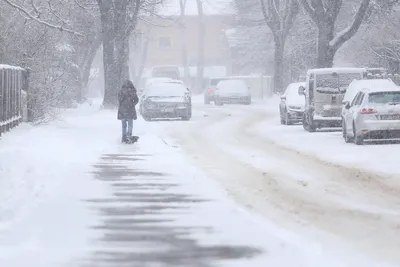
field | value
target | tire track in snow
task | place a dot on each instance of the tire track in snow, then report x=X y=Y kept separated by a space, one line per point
x=368 y=231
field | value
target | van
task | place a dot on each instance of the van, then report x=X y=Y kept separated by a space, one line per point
x=324 y=93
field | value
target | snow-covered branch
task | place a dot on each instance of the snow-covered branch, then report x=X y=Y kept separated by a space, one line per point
x=349 y=32
x=37 y=19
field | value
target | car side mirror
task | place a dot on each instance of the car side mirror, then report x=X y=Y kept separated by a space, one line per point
x=347 y=105
x=302 y=90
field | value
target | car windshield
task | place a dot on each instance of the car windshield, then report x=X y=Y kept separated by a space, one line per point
x=215 y=81
x=169 y=74
x=232 y=87
x=384 y=97
x=335 y=84
x=166 y=90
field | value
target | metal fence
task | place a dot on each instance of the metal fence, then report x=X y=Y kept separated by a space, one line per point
x=12 y=81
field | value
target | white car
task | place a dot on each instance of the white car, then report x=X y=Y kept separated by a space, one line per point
x=357 y=85
x=373 y=114
x=291 y=108
x=232 y=91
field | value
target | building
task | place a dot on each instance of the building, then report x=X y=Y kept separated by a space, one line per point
x=161 y=40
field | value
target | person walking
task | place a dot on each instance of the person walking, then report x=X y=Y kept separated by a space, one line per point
x=127 y=99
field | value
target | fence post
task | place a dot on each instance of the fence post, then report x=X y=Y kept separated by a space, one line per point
x=28 y=95
x=11 y=84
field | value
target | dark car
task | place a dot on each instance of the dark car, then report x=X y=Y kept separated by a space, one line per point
x=291 y=107
x=166 y=100
x=209 y=94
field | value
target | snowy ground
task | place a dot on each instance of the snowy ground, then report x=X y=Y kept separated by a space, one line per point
x=232 y=187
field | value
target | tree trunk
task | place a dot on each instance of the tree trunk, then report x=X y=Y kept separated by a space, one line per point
x=143 y=60
x=200 y=55
x=86 y=65
x=183 y=42
x=125 y=60
x=325 y=52
x=279 y=64
x=110 y=74
x=121 y=41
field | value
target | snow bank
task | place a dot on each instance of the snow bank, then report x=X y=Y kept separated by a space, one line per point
x=329 y=145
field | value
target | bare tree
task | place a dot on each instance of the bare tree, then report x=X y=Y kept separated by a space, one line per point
x=118 y=19
x=324 y=14
x=201 y=47
x=182 y=4
x=279 y=16
x=54 y=40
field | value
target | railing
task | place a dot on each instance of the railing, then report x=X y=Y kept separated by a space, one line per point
x=12 y=81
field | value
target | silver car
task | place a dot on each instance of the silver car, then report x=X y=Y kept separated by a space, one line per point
x=373 y=114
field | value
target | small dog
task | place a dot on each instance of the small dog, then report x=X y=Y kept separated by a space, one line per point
x=131 y=139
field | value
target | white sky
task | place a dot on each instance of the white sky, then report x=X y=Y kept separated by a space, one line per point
x=210 y=7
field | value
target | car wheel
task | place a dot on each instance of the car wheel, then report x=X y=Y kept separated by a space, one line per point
x=186 y=118
x=346 y=137
x=344 y=130
x=281 y=117
x=218 y=102
x=308 y=127
x=146 y=118
x=358 y=140
x=287 y=119
x=206 y=101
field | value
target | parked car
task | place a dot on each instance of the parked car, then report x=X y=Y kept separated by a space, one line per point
x=373 y=114
x=166 y=100
x=291 y=107
x=231 y=92
x=356 y=86
x=210 y=90
x=324 y=92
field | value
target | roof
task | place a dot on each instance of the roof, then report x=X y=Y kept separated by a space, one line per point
x=337 y=70
x=234 y=81
x=363 y=85
x=372 y=83
x=380 y=89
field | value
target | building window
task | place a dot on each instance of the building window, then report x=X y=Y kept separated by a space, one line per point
x=164 y=42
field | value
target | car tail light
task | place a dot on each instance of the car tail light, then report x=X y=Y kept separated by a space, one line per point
x=368 y=111
x=209 y=90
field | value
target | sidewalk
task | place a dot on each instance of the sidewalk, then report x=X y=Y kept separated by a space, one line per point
x=72 y=195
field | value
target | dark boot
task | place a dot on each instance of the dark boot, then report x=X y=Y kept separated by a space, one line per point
x=124 y=139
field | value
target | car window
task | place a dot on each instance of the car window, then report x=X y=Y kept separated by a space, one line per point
x=359 y=99
x=355 y=99
x=384 y=97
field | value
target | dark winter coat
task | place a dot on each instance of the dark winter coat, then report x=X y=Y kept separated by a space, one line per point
x=128 y=99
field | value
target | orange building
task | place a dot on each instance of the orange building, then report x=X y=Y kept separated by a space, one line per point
x=164 y=37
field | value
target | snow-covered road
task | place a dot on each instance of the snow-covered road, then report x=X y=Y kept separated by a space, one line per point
x=231 y=187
